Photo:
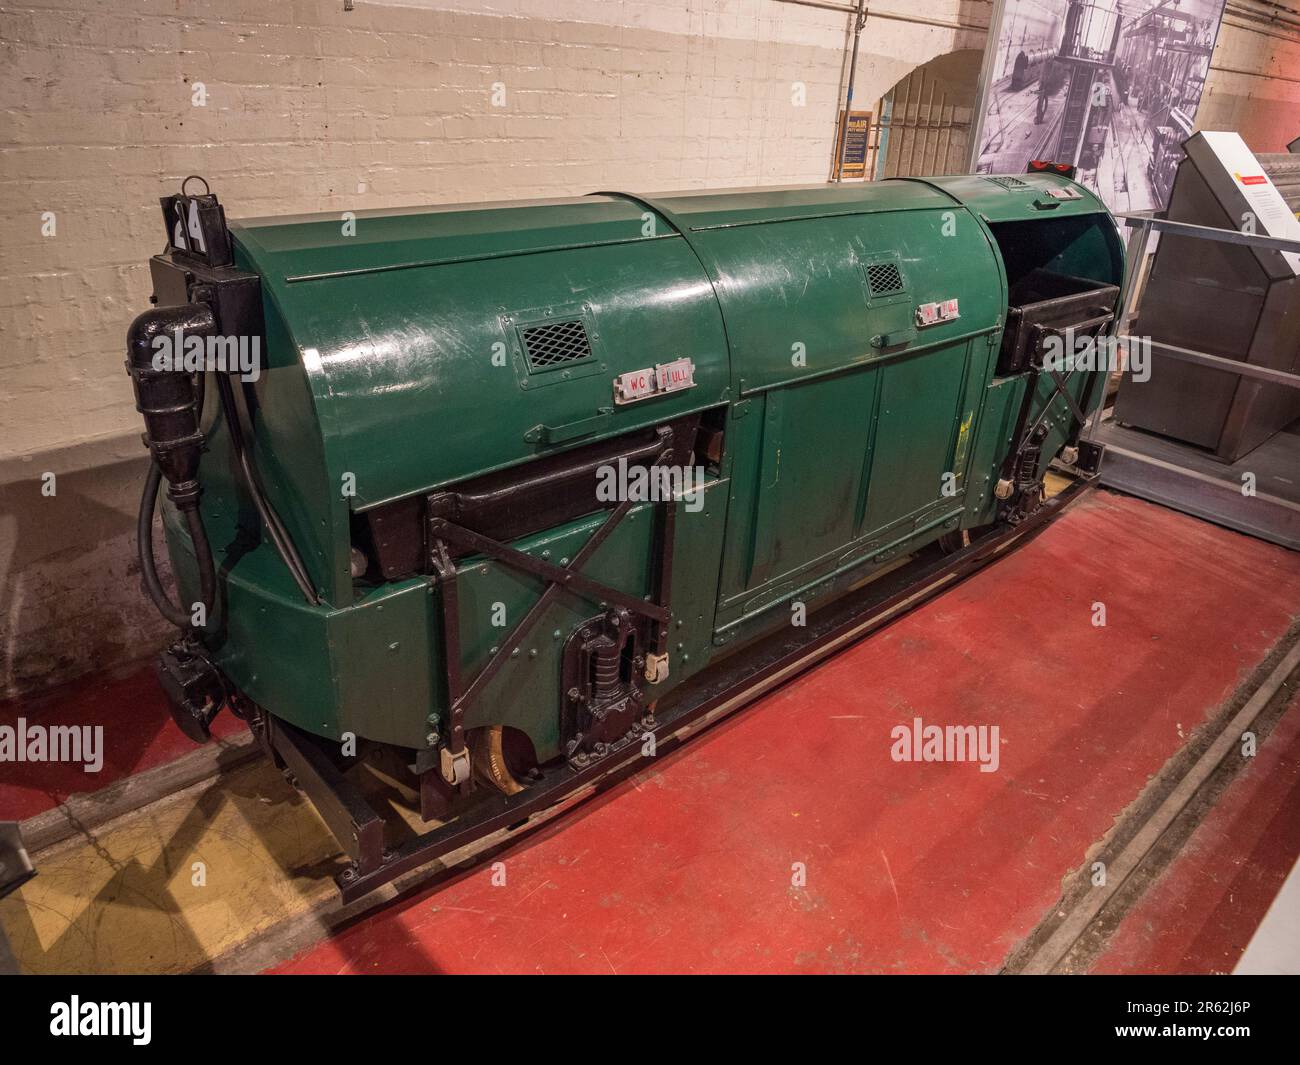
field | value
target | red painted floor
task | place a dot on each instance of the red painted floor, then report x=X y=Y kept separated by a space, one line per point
x=1200 y=914
x=910 y=867
x=138 y=735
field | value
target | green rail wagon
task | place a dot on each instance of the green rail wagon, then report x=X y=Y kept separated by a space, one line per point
x=509 y=489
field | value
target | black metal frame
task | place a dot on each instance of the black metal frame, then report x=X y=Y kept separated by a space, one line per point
x=1029 y=322
x=445 y=534
x=1026 y=437
x=345 y=811
x=701 y=701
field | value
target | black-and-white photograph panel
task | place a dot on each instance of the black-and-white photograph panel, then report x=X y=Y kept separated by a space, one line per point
x=1110 y=86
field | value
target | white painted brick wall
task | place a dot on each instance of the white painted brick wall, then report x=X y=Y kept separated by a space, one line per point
x=307 y=102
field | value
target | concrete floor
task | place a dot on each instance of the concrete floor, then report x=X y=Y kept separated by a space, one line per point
x=785 y=839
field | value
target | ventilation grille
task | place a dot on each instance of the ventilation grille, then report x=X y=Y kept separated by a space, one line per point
x=884 y=279
x=555 y=343
x=1009 y=182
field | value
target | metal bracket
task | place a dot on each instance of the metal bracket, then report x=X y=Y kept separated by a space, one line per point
x=1090 y=456
x=656 y=668
x=454 y=765
x=445 y=570
x=353 y=822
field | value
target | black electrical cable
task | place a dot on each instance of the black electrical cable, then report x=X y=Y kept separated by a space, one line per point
x=178 y=616
x=279 y=535
x=203 y=554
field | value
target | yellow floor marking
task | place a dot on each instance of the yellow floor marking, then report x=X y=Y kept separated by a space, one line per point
x=1054 y=484
x=126 y=897
x=125 y=900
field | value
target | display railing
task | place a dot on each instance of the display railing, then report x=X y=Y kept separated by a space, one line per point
x=1140 y=227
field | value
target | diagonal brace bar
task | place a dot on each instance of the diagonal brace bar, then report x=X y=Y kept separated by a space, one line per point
x=442 y=529
x=1062 y=384
x=538 y=608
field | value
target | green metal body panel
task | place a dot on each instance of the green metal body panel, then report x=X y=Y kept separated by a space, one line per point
x=843 y=470
x=413 y=324
x=394 y=365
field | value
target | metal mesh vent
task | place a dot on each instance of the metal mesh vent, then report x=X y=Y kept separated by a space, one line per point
x=555 y=343
x=1009 y=182
x=884 y=279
